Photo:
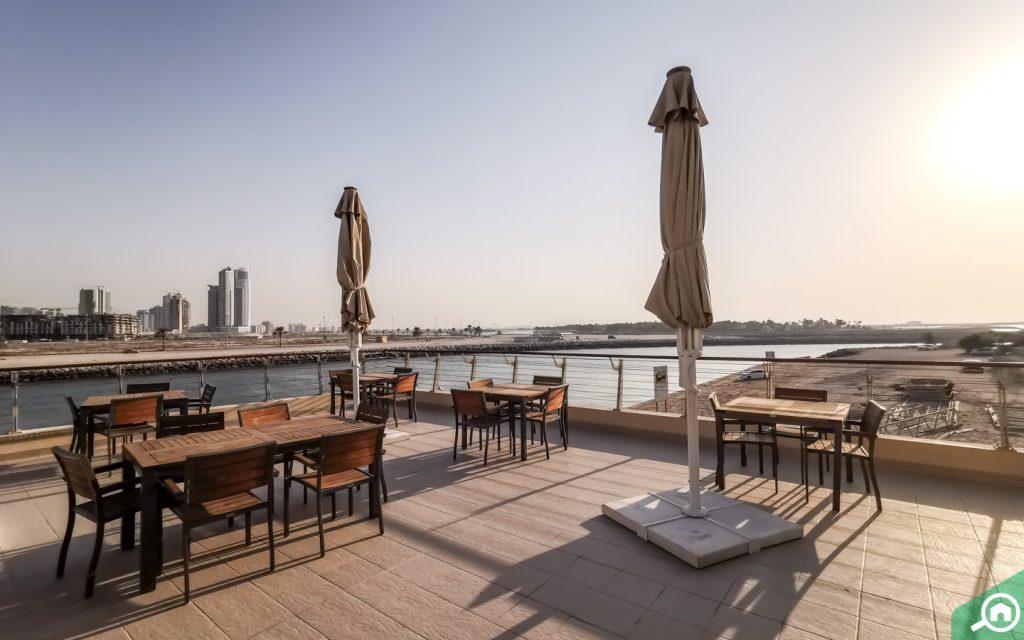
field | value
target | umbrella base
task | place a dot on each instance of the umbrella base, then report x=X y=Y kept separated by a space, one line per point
x=731 y=527
x=394 y=435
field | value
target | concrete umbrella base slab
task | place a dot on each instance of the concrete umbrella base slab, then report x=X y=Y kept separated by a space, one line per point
x=394 y=435
x=732 y=528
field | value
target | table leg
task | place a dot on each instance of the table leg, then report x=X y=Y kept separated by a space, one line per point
x=720 y=450
x=128 y=520
x=837 y=465
x=150 y=552
x=378 y=469
x=333 y=406
x=90 y=436
x=522 y=430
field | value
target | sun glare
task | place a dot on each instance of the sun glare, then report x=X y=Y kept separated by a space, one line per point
x=982 y=133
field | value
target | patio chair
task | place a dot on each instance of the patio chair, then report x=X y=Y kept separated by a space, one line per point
x=129 y=417
x=340 y=465
x=803 y=434
x=77 y=424
x=402 y=370
x=503 y=409
x=116 y=501
x=277 y=412
x=341 y=379
x=147 y=387
x=403 y=390
x=169 y=426
x=550 y=411
x=863 y=450
x=547 y=381
x=376 y=416
x=473 y=412
x=726 y=436
x=205 y=401
x=222 y=485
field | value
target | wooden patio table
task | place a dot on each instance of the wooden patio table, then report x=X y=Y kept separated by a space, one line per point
x=824 y=416
x=365 y=380
x=158 y=458
x=98 y=405
x=516 y=395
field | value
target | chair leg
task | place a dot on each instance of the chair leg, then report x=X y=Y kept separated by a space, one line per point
x=67 y=540
x=231 y=522
x=821 y=472
x=775 y=465
x=487 y=443
x=320 y=522
x=351 y=504
x=864 y=472
x=874 y=483
x=248 y=528
x=544 y=437
x=334 y=506
x=380 y=513
x=384 y=482
x=186 y=554
x=90 y=578
x=287 y=490
x=455 y=447
x=270 y=533
x=807 y=482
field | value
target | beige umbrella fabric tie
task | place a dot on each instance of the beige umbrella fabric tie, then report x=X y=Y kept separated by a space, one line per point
x=353 y=266
x=680 y=296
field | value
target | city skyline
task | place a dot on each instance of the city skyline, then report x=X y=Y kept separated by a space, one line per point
x=836 y=184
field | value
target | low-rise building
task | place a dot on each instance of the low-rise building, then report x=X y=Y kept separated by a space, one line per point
x=79 y=327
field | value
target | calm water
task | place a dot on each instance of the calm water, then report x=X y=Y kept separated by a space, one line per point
x=592 y=380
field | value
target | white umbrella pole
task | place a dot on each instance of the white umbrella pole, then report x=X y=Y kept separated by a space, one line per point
x=355 y=341
x=688 y=380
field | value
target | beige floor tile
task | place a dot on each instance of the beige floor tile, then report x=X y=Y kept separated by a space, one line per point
x=293 y=629
x=461 y=588
x=634 y=589
x=654 y=626
x=113 y=634
x=242 y=610
x=826 y=621
x=296 y=588
x=608 y=613
x=903 y=617
x=534 y=620
x=687 y=607
x=186 y=621
x=870 y=630
x=562 y=594
x=902 y=569
x=734 y=623
x=421 y=611
x=589 y=573
x=346 y=617
x=754 y=598
x=906 y=591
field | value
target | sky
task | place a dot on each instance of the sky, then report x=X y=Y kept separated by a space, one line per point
x=862 y=161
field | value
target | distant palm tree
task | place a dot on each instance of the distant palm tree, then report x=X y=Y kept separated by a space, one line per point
x=162 y=334
x=417 y=332
x=279 y=332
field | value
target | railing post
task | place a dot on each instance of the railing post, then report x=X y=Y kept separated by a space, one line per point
x=515 y=367
x=768 y=378
x=14 y=402
x=266 y=380
x=870 y=382
x=437 y=373
x=1004 y=421
x=565 y=363
x=618 y=389
x=320 y=373
x=120 y=379
x=406 y=359
x=202 y=377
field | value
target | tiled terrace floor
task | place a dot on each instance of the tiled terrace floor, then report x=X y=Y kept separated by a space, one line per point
x=521 y=550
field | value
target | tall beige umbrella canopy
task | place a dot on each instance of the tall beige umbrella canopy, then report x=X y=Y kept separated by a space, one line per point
x=680 y=296
x=353 y=266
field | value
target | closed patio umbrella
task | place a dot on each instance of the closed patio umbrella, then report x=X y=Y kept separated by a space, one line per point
x=680 y=296
x=353 y=266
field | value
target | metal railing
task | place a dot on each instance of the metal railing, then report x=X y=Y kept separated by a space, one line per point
x=985 y=407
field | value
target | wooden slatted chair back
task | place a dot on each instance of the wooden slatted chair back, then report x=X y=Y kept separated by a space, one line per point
x=76 y=413
x=794 y=393
x=169 y=426
x=480 y=383
x=716 y=406
x=406 y=383
x=872 y=419
x=133 y=411
x=372 y=414
x=343 y=378
x=208 y=391
x=148 y=387
x=403 y=370
x=347 y=451
x=469 y=402
x=547 y=380
x=262 y=415
x=554 y=399
x=210 y=476
x=78 y=473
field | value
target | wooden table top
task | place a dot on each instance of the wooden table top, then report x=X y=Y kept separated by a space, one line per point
x=792 y=411
x=515 y=391
x=94 y=402
x=170 y=452
x=371 y=378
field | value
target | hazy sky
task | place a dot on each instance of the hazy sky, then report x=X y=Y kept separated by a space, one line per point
x=863 y=160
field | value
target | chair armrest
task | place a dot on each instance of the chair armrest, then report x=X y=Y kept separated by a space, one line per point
x=306 y=460
x=172 y=488
x=113 y=466
x=115 y=486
